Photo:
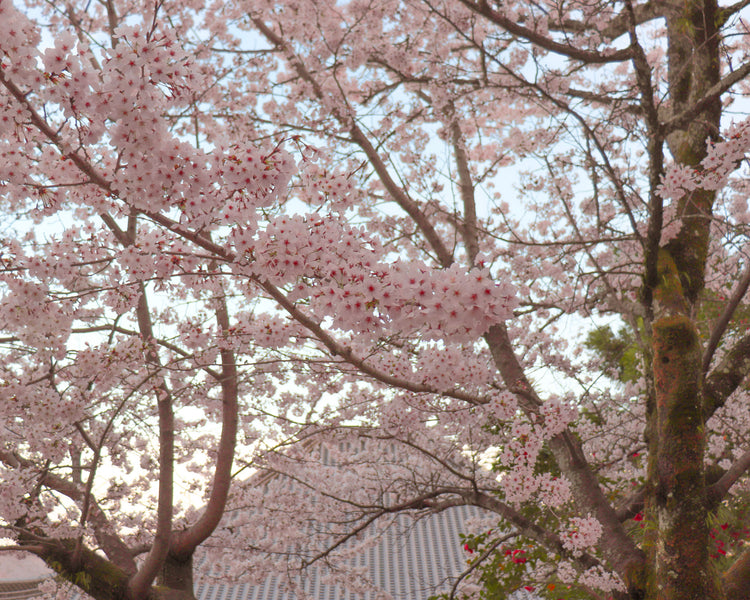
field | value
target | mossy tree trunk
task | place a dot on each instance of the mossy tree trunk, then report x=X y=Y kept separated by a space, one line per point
x=102 y=579
x=676 y=502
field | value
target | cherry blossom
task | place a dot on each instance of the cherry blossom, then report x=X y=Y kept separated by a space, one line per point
x=403 y=256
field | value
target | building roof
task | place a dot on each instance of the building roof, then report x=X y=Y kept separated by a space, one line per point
x=20 y=575
x=19 y=590
x=412 y=560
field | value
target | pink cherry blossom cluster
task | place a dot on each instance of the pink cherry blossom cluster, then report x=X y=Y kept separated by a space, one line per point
x=519 y=456
x=677 y=181
x=596 y=577
x=720 y=162
x=337 y=269
x=557 y=415
x=34 y=317
x=521 y=484
x=599 y=578
x=19 y=40
x=553 y=491
x=268 y=330
x=582 y=533
x=154 y=169
x=14 y=488
x=468 y=372
x=502 y=405
x=325 y=186
x=523 y=445
x=517 y=485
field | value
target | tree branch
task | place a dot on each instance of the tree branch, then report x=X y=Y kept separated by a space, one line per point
x=103 y=580
x=481 y=7
x=655 y=149
x=716 y=492
x=445 y=258
x=466 y=189
x=736 y=580
x=725 y=13
x=726 y=316
x=112 y=545
x=683 y=119
x=525 y=526
x=346 y=353
x=726 y=377
x=187 y=541
x=154 y=561
x=620 y=551
x=617 y=25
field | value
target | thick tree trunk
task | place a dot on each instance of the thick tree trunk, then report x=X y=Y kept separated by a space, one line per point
x=94 y=574
x=676 y=507
x=677 y=503
x=165 y=593
x=103 y=580
x=177 y=573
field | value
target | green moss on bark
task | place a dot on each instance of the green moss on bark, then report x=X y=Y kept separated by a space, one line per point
x=678 y=506
x=94 y=574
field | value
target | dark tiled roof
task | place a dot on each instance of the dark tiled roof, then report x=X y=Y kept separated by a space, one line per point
x=19 y=590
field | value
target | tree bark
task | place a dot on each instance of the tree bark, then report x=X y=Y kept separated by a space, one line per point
x=737 y=578
x=177 y=573
x=677 y=500
x=103 y=580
